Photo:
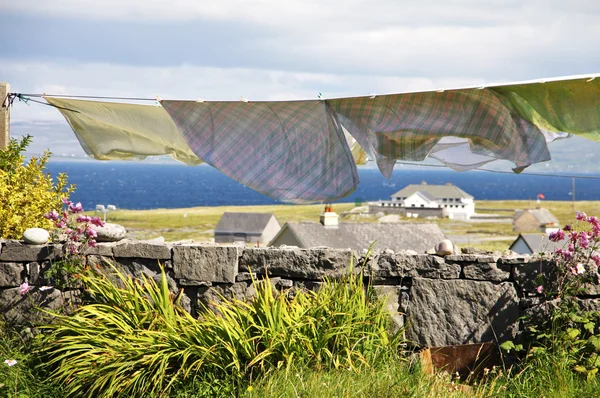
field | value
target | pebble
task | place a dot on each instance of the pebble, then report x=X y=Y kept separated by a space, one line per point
x=36 y=236
x=444 y=248
x=110 y=232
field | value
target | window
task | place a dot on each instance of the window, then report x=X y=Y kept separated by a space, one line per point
x=413 y=205
x=422 y=205
x=463 y=206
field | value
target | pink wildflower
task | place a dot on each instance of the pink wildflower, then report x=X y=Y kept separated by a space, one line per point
x=65 y=201
x=24 y=288
x=10 y=362
x=568 y=228
x=91 y=243
x=91 y=233
x=82 y=218
x=97 y=221
x=583 y=240
x=53 y=215
x=60 y=224
x=556 y=236
x=76 y=208
x=571 y=247
x=539 y=289
x=581 y=216
x=596 y=259
x=73 y=249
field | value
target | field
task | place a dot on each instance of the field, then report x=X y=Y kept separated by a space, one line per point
x=198 y=223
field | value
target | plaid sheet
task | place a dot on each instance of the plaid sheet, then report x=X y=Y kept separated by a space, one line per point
x=291 y=151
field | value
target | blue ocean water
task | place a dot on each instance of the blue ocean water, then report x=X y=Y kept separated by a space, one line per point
x=138 y=185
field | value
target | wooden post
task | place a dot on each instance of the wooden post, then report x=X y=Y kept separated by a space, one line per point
x=4 y=115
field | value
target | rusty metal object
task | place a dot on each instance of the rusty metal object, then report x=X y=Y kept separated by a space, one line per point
x=467 y=360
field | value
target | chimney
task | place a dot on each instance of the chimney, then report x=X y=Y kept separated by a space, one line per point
x=329 y=218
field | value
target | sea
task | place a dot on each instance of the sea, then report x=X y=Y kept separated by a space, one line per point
x=140 y=185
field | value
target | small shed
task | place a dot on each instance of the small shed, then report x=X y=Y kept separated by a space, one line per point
x=530 y=220
x=256 y=228
x=535 y=243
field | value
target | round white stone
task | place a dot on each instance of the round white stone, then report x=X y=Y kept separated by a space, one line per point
x=444 y=248
x=36 y=236
x=110 y=232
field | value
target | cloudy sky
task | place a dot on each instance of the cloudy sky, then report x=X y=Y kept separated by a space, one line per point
x=279 y=49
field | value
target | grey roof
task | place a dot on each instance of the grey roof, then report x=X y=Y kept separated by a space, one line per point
x=437 y=191
x=252 y=223
x=540 y=243
x=419 y=237
x=427 y=195
x=544 y=216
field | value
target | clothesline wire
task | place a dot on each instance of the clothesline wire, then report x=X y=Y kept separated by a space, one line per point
x=84 y=96
x=589 y=177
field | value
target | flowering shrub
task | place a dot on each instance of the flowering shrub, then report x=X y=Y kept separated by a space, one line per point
x=75 y=231
x=26 y=192
x=564 y=325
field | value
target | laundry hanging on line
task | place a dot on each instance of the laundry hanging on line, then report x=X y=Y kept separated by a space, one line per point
x=304 y=151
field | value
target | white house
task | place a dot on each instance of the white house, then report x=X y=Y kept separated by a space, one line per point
x=445 y=200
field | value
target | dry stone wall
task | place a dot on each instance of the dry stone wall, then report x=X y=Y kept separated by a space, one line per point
x=457 y=299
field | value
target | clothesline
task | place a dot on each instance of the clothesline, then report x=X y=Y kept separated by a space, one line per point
x=307 y=151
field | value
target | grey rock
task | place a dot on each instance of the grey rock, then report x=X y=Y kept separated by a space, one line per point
x=185 y=282
x=391 y=294
x=206 y=263
x=487 y=271
x=136 y=249
x=13 y=250
x=36 y=236
x=12 y=274
x=297 y=263
x=442 y=312
x=110 y=232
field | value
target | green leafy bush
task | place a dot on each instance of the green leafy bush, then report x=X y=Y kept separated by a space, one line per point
x=134 y=340
x=26 y=192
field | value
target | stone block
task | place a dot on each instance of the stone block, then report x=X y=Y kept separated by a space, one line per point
x=407 y=265
x=26 y=310
x=209 y=297
x=101 y=249
x=297 y=263
x=482 y=271
x=135 y=267
x=13 y=250
x=392 y=295
x=206 y=263
x=12 y=274
x=525 y=274
x=135 y=249
x=452 y=312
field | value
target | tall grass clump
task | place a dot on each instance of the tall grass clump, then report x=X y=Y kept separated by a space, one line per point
x=133 y=339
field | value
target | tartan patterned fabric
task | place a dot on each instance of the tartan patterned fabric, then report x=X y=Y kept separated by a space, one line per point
x=291 y=151
x=409 y=126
